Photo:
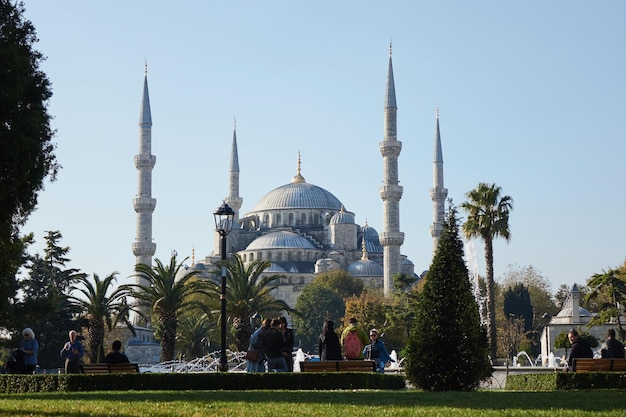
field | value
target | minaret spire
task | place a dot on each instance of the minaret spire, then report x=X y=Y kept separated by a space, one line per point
x=234 y=200
x=390 y=192
x=143 y=247
x=438 y=193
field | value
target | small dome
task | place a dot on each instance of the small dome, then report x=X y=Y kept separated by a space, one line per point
x=275 y=269
x=365 y=268
x=343 y=217
x=407 y=261
x=372 y=243
x=280 y=240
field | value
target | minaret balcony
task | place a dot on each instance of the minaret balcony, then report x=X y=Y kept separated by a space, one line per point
x=145 y=161
x=144 y=248
x=390 y=148
x=391 y=192
x=391 y=238
x=438 y=193
x=144 y=204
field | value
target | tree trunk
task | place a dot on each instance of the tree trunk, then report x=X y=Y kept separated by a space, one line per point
x=491 y=300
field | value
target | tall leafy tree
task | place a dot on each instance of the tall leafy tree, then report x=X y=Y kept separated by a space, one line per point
x=46 y=307
x=488 y=218
x=517 y=305
x=26 y=148
x=315 y=304
x=100 y=304
x=249 y=291
x=611 y=287
x=447 y=348
x=166 y=295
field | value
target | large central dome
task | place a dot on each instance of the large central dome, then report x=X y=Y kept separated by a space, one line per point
x=298 y=196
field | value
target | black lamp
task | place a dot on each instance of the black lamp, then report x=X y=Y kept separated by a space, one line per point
x=223 y=216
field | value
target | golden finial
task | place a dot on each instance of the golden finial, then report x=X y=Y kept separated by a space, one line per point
x=193 y=255
x=298 y=178
x=364 y=257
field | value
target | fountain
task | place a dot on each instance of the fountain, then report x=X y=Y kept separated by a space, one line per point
x=395 y=363
x=516 y=359
x=299 y=358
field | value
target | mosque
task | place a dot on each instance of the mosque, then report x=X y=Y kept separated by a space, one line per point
x=301 y=228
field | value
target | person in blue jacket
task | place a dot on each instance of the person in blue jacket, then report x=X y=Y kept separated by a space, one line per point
x=29 y=346
x=377 y=352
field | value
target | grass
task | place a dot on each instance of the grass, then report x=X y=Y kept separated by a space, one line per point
x=599 y=403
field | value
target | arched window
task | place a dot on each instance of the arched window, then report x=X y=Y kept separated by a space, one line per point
x=266 y=220
x=291 y=219
x=303 y=219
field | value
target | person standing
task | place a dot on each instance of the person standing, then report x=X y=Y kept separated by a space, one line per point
x=256 y=344
x=614 y=348
x=73 y=353
x=329 y=347
x=115 y=356
x=353 y=340
x=289 y=342
x=579 y=348
x=377 y=352
x=274 y=348
x=29 y=347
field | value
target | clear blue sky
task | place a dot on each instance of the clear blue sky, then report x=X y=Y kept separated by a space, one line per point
x=531 y=96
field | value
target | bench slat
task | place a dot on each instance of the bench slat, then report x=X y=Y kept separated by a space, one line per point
x=106 y=368
x=338 y=366
x=599 y=365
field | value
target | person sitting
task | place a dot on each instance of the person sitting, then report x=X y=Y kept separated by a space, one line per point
x=115 y=356
x=614 y=348
x=377 y=352
x=579 y=348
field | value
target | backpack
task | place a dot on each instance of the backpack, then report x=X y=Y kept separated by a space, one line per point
x=352 y=345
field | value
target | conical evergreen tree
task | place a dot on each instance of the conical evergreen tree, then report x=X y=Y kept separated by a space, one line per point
x=447 y=348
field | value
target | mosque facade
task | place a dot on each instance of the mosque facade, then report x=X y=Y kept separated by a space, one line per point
x=304 y=229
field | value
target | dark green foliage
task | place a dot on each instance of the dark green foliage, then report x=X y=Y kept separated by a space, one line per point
x=46 y=307
x=566 y=381
x=447 y=348
x=200 y=381
x=517 y=305
x=26 y=149
x=315 y=304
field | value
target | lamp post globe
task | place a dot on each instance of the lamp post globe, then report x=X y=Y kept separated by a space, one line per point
x=223 y=216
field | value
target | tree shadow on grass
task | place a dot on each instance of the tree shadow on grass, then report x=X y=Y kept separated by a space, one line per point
x=597 y=400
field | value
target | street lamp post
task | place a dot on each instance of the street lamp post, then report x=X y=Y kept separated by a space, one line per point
x=223 y=216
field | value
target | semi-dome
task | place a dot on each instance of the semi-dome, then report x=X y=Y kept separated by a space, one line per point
x=280 y=240
x=275 y=269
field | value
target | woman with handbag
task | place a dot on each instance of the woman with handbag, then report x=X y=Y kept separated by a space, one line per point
x=256 y=352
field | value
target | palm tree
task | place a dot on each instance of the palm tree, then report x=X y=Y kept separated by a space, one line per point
x=166 y=295
x=488 y=218
x=100 y=308
x=247 y=293
x=192 y=339
x=610 y=289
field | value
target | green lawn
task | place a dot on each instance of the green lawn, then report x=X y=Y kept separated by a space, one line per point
x=315 y=403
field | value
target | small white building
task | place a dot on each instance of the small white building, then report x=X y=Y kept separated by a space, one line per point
x=572 y=315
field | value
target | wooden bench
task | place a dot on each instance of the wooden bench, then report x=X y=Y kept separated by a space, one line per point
x=599 y=365
x=109 y=368
x=338 y=366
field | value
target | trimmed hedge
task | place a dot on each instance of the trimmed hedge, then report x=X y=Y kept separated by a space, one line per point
x=200 y=381
x=566 y=381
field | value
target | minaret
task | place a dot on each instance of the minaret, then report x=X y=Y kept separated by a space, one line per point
x=391 y=238
x=143 y=247
x=438 y=193
x=233 y=199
